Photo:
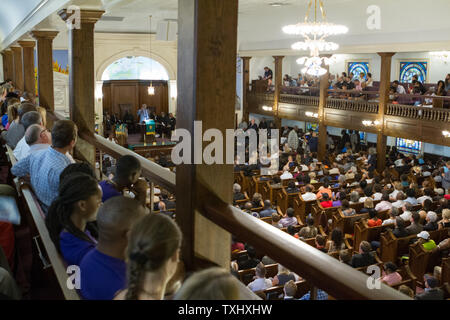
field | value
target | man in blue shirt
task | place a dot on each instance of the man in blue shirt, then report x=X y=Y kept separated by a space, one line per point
x=268 y=210
x=44 y=167
x=143 y=114
x=103 y=270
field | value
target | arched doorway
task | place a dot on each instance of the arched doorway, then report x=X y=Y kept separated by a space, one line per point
x=126 y=82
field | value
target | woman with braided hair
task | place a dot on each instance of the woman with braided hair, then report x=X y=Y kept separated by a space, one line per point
x=77 y=203
x=152 y=257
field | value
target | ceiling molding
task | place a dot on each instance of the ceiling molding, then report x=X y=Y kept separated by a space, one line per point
x=387 y=47
x=39 y=13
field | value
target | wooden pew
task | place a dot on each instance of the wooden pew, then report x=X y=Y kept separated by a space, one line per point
x=346 y=223
x=246 y=276
x=303 y=208
x=392 y=247
x=445 y=275
x=285 y=200
x=408 y=278
x=243 y=201
x=362 y=232
x=421 y=261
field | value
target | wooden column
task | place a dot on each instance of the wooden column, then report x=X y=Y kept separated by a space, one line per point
x=8 y=64
x=322 y=145
x=18 y=70
x=278 y=82
x=82 y=77
x=245 y=87
x=385 y=83
x=29 y=82
x=207 y=46
x=44 y=41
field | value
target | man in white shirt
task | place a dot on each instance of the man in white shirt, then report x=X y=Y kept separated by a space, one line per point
x=37 y=138
x=308 y=195
x=398 y=87
x=260 y=283
x=427 y=195
x=21 y=150
x=400 y=200
x=407 y=214
x=384 y=204
x=286 y=175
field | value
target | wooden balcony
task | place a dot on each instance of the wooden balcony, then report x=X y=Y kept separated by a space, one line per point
x=404 y=121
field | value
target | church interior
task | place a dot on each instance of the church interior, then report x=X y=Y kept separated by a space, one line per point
x=224 y=150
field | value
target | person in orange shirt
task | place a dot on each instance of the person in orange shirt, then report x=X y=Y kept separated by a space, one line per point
x=374 y=221
x=324 y=189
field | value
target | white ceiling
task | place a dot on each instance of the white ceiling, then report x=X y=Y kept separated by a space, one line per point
x=402 y=21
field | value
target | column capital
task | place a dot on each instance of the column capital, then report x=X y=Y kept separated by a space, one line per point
x=246 y=58
x=27 y=44
x=278 y=57
x=46 y=35
x=16 y=49
x=386 y=54
x=86 y=16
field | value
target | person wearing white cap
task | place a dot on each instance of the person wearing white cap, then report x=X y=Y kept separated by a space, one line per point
x=427 y=243
x=431 y=221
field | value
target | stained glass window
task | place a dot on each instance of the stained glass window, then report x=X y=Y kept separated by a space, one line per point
x=312 y=126
x=409 y=146
x=135 y=68
x=358 y=67
x=411 y=68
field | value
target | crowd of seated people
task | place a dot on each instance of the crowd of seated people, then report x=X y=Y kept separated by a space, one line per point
x=406 y=198
x=165 y=123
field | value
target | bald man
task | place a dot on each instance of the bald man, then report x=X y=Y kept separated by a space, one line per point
x=103 y=270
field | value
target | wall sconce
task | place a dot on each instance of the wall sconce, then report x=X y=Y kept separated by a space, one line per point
x=98 y=93
x=369 y=123
x=173 y=89
x=266 y=108
x=311 y=114
x=442 y=55
x=446 y=134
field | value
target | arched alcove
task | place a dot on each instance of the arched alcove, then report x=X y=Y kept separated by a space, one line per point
x=135 y=68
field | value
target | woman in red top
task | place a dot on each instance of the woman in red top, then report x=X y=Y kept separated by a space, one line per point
x=326 y=202
x=374 y=221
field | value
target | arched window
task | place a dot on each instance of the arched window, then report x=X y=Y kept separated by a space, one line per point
x=135 y=68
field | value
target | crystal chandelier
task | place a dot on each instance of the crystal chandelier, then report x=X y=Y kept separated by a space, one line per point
x=314 y=33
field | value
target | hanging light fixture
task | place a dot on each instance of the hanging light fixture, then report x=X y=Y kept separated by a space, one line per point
x=315 y=34
x=151 y=89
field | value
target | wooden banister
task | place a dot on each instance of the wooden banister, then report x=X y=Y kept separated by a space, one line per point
x=337 y=279
x=325 y=272
x=53 y=255
x=154 y=172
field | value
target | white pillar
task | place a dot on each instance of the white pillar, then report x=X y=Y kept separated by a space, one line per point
x=99 y=105
x=173 y=95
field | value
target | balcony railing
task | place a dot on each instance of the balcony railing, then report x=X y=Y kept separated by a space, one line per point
x=352 y=105
x=300 y=100
x=322 y=270
x=419 y=113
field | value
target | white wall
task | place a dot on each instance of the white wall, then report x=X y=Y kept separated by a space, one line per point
x=258 y=117
x=293 y=123
x=257 y=65
x=2 y=76
x=391 y=141
x=437 y=69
